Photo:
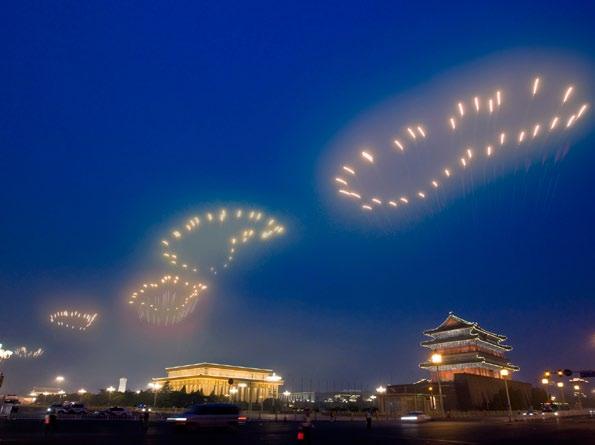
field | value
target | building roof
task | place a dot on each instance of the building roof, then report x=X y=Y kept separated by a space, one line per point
x=470 y=359
x=453 y=322
x=216 y=365
x=470 y=336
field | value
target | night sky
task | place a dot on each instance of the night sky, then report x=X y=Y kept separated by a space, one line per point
x=118 y=119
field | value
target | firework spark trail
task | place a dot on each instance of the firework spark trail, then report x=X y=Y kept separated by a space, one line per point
x=166 y=301
x=253 y=225
x=518 y=136
x=73 y=319
x=25 y=353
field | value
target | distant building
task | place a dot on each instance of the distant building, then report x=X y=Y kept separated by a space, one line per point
x=328 y=397
x=302 y=397
x=122 y=384
x=466 y=348
x=239 y=383
x=45 y=391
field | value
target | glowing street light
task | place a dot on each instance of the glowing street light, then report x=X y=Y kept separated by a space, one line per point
x=381 y=390
x=545 y=381
x=504 y=373
x=286 y=393
x=561 y=386
x=437 y=360
x=155 y=387
x=60 y=379
x=82 y=391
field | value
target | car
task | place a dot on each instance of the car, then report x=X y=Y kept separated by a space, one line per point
x=73 y=408
x=115 y=412
x=416 y=417
x=55 y=408
x=209 y=415
x=142 y=408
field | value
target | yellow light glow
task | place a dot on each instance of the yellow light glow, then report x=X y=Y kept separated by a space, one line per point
x=567 y=94
x=461 y=109
x=398 y=144
x=521 y=136
x=535 y=85
x=436 y=359
x=554 y=122
x=411 y=133
x=367 y=156
x=536 y=130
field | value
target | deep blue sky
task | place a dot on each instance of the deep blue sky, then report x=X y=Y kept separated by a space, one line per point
x=116 y=117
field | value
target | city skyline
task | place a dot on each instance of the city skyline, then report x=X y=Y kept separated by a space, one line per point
x=106 y=146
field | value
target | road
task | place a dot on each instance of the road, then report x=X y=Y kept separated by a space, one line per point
x=559 y=431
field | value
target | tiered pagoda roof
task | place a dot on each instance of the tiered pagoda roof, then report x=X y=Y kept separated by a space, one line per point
x=456 y=333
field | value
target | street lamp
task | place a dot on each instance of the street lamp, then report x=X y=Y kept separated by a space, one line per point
x=561 y=386
x=155 y=387
x=437 y=359
x=82 y=391
x=60 y=379
x=233 y=391
x=381 y=389
x=504 y=373
x=110 y=390
x=545 y=381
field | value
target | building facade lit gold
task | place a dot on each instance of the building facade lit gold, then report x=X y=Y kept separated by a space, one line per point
x=239 y=383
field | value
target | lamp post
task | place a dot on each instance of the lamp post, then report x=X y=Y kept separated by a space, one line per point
x=155 y=387
x=504 y=373
x=381 y=390
x=233 y=391
x=286 y=394
x=437 y=359
x=110 y=390
x=545 y=381
x=561 y=386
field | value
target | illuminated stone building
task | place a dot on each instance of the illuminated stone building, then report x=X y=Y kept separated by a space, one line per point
x=468 y=361
x=239 y=383
x=465 y=348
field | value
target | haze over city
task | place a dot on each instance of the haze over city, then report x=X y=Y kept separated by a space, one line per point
x=120 y=121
